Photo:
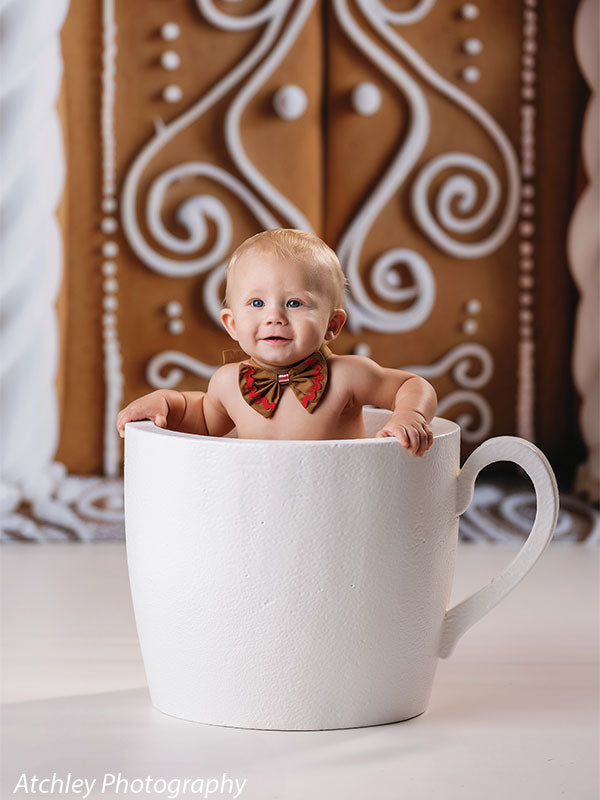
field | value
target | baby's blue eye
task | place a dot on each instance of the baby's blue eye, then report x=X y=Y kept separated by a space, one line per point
x=260 y=303
x=294 y=301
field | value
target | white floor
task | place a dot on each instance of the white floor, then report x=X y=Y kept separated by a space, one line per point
x=514 y=713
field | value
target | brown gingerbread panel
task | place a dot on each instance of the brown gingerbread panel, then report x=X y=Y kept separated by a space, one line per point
x=489 y=325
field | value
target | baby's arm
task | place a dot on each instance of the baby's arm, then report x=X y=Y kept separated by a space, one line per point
x=412 y=399
x=167 y=408
x=188 y=412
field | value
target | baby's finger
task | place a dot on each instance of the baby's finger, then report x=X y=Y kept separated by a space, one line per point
x=429 y=436
x=403 y=436
x=413 y=438
x=160 y=420
x=423 y=440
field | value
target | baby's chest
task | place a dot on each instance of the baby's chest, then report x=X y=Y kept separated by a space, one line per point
x=291 y=420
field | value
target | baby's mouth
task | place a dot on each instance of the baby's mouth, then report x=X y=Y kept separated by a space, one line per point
x=275 y=339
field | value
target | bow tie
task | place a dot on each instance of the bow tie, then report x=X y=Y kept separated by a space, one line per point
x=261 y=388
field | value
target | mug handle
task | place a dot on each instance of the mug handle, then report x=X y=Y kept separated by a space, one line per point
x=503 y=448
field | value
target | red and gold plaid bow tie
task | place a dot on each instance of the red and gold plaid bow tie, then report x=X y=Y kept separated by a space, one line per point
x=261 y=388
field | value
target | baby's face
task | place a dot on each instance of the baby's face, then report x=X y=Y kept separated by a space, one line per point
x=280 y=311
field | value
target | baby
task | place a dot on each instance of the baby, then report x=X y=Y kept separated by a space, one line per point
x=284 y=303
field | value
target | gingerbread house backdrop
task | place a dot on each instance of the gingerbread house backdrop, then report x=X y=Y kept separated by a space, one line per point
x=435 y=145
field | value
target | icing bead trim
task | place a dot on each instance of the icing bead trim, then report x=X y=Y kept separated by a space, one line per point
x=110 y=249
x=526 y=228
x=113 y=374
x=109 y=225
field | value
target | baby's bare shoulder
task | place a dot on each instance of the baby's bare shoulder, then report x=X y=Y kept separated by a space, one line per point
x=352 y=365
x=223 y=378
x=348 y=372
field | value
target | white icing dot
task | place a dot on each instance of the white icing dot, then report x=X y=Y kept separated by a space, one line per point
x=529 y=30
x=366 y=98
x=469 y=326
x=176 y=326
x=109 y=225
x=473 y=306
x=111 y=285
x=109 y=268
x=530 y=46
x=528 y=190
x=526 y=333
x=109 y=320
x=525 y=315
x=362 y=349
x=174 y=308
x=528 y=76
x=527 y=209
x=526 y=281
x=527 y=110
x=110 y=335
x=528 y=61
x=473 y=46
x=170 y=60
x=172 y=93
x=527 y=170
x=169 y=31
x=526 y=228
x=525 y=299
x=525 y=248
x=528 y=93
x=110 y=249
x=110 y=303
x=528 y=132
x=527 y=264
x=528 y=156
x=109 y=204
x=469 y=11
x=471 y=74
x=290 y=102
x=528 y=141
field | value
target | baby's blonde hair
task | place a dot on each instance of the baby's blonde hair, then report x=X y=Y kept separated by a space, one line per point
x=296 y=245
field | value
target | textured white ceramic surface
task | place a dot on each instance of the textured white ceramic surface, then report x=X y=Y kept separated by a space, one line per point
x=304 y=585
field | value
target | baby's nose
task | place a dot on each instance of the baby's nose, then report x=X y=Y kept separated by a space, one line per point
x=276 y=315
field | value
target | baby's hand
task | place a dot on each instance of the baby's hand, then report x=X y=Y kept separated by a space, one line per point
x=151 y=406
x=411 y=429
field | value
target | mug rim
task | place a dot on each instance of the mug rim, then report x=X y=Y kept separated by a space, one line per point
x=446 y=427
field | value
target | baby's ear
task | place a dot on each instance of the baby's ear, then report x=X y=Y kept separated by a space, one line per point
x=336 y=322
x=226 y=315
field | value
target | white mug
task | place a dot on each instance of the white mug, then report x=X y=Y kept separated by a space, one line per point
x=302 y=585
